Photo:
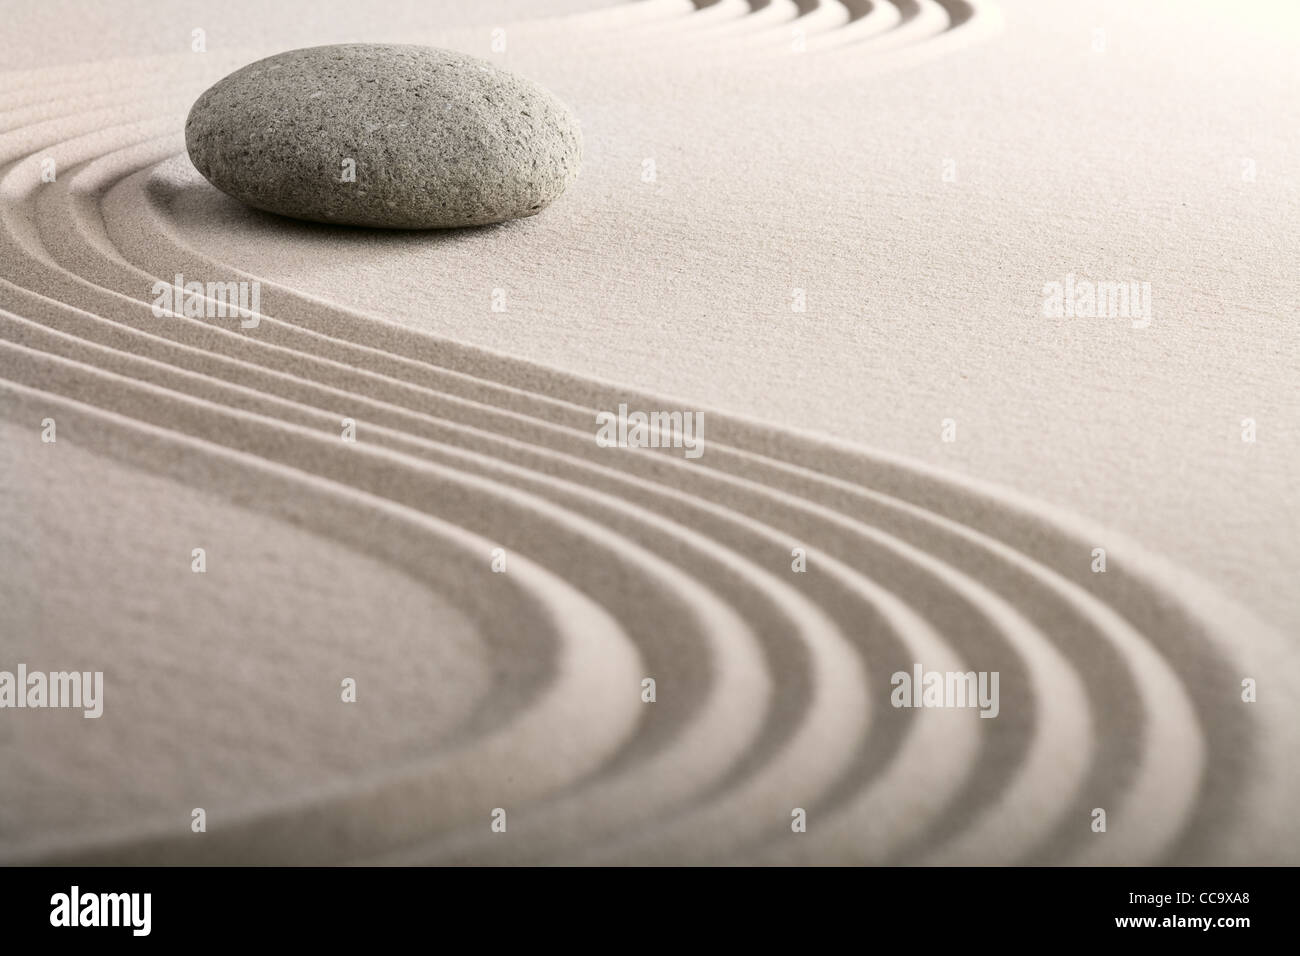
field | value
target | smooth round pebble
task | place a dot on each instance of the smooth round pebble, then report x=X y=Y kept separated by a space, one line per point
x=396 y=136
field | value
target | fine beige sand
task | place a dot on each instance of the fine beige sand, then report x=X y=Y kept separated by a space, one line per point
x=914 y=172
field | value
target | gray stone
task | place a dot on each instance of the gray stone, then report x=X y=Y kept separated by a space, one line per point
x=434 y=138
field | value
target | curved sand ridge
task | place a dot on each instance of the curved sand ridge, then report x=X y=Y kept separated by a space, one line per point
x=1117 y=690
x=879 y=33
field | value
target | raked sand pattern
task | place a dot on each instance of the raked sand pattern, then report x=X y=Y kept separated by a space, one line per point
x=522 y=689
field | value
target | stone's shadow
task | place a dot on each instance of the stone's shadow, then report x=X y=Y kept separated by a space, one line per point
x=198 y=205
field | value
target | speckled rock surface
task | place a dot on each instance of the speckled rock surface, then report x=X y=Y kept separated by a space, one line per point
x=397 y=136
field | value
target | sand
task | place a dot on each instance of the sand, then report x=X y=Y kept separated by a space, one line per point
x=913 y=174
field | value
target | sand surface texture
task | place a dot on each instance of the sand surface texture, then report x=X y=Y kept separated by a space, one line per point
x=913 y=173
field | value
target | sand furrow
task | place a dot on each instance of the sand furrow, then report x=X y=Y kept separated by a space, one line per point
x=737 y=685
x=1004 y=761
x=773 y=687
x=554 y=704
x=1031 y=643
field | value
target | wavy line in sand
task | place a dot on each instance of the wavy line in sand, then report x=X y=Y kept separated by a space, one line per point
x=881 y=34
x=973 y=555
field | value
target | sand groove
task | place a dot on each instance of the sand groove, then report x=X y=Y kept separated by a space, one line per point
x=773 y=686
